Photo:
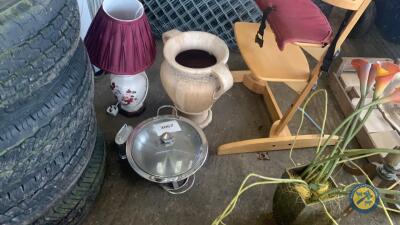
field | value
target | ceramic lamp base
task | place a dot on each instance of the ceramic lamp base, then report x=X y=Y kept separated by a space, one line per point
x=133 y=113
x=130 y=92
x=202 y=119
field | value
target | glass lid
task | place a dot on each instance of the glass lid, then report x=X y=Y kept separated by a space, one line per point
x=167 y=146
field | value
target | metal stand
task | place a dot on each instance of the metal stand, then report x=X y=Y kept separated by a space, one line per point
x=179 y=187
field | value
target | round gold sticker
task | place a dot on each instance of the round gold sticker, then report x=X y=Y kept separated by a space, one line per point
x=364 y=198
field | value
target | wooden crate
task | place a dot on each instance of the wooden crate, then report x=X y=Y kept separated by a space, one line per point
x=344 y=83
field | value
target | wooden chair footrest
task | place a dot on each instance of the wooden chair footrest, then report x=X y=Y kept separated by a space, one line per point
x=273 y=144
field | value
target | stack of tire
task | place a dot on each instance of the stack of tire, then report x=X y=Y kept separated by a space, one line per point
x=51 y=155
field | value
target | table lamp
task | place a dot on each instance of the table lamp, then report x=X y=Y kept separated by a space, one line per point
x=120 y=42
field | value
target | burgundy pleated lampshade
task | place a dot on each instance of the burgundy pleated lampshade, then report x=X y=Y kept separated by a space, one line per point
x=119 y=39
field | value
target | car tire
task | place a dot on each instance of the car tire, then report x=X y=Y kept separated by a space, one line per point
x=39 y=139
x=75 y=205
x=37 y=60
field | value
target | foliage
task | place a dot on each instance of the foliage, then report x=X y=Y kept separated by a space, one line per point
x=375 y=78
x=378 y=75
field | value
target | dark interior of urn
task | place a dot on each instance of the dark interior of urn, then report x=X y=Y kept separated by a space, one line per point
x=196 y=58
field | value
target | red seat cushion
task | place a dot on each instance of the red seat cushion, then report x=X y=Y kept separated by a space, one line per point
x=297 y=21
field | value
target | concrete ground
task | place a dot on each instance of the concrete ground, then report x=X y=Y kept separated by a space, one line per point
x=127 y=199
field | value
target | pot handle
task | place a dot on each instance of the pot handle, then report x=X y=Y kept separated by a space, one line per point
x=174 y=110
x=121 y=139
x=170 y=34
x=224 y=77
x=122 y=135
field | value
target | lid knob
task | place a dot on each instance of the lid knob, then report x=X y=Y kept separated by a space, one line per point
x=167 y=138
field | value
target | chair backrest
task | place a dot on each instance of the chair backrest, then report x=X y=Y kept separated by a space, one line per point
x=345 y=4
x=358 y=7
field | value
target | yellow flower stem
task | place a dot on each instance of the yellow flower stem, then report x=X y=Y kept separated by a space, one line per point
x=390 y=209
x=358 y=153
x=327 y=213
x=394 y=185
x=243 y=188
x=358 y=157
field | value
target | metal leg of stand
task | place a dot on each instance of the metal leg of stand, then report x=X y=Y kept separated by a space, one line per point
x=310 y=118
x=177 y=188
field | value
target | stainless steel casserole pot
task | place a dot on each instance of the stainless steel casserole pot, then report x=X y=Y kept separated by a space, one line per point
x=167 y=149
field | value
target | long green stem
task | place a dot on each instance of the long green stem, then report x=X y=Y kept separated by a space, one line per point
x=243 y=188
x=309 y=170
x=353 y=132
x=348 y=137
x=328 y=165
x=327 y=213
x=302 y=120
x=357 y=153
x=348 y=119
x=357 y=157
x=361 y=125
x=339 y=191
x=311 y=176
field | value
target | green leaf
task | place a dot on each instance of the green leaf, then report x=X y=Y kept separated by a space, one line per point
x=391 y=200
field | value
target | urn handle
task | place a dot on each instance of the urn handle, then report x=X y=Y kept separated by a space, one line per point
x=170 y=34
x=224 y=77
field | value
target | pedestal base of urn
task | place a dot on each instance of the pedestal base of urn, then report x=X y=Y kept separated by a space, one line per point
x=202 y=119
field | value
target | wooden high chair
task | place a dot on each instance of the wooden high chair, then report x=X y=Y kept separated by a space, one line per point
x=270 y=64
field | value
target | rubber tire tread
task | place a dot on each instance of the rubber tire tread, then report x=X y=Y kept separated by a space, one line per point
x=46 y=133
x=38 y=60
x=21 y=19
x=74 y=206
x=35 y=205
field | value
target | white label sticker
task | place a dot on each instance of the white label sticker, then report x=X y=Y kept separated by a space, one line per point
x=169 y=126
